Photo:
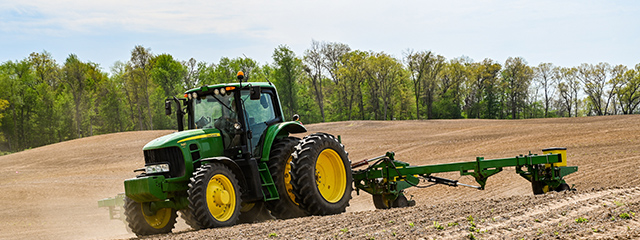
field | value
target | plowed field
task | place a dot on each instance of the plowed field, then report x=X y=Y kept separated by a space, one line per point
x=51 y=192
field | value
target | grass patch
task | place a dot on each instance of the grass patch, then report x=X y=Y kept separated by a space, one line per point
x=582 y=220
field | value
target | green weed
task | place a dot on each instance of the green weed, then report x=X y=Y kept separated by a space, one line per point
x=582 y=220
x=437 y=226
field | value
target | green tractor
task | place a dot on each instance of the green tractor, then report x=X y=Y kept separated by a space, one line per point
x=235 y=161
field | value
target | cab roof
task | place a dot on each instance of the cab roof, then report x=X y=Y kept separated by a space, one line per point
x=206 y=88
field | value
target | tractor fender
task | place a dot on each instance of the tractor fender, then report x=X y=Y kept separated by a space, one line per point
x=282 y=129
x=229 y=163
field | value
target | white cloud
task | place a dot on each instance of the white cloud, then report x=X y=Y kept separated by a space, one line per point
x=536 y=30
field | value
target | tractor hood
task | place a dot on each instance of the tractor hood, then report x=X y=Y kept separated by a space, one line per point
x=175 y=139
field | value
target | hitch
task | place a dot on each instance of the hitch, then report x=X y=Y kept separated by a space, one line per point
x=449 y=182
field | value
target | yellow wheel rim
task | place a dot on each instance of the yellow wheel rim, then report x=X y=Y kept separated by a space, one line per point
x=245 y=207
x=545 y=189
x=287 y=180
x=331 y=176
x=221 y=197
x=158 y=220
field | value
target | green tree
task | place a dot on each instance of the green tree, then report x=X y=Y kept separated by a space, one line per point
x=419 y=65
x=481 y=100
x=544 y=75
x=594 y=78
x=139 y=69
x=568 y=89
x=628 y=92
x=384 y=72
x=287 y=70
x=353 y=73
x=455 y=74
x=517 y=77
x=313 y=65
x=75 y=79
x=434 y=70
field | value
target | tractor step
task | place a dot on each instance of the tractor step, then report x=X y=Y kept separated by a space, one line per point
x=268 y=185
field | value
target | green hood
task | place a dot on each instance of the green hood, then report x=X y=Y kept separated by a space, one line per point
x=175 y=139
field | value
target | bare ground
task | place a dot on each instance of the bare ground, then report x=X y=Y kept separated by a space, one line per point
x=51 y=192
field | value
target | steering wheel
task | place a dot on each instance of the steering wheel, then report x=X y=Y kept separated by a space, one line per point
x=203 y=121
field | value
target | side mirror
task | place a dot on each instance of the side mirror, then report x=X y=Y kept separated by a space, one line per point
x=167 y=107
x=255 y=93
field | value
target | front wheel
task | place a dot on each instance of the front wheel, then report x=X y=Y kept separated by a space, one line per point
x=321 y=175
x=144 y=222
x=214 y=196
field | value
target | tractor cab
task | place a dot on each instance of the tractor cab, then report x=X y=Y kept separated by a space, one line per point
x=242 y=114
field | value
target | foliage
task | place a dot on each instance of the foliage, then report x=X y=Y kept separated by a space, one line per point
x=43 y=101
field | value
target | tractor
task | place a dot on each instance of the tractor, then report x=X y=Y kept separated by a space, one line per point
x=235 y=161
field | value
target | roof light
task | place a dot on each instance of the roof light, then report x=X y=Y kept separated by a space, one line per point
x=222 y=91
x=230 y=88
x=216 y=91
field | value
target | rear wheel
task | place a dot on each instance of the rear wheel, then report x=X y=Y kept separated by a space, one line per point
x=214 y=196
x=279 y=163
x=189 y=219
x=144 y=222
x=321 y=175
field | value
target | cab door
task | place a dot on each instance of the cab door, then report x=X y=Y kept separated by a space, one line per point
x=259 y=114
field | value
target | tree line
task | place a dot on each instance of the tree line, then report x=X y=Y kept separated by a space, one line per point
x=43 y=101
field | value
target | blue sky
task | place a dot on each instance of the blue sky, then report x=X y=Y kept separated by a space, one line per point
x=565 y=33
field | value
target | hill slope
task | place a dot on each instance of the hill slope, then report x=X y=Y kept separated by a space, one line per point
x=51 y=191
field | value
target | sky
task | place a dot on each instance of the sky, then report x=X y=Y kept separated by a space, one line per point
x=565 y=33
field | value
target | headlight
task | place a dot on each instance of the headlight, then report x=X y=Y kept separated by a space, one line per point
x=237 y=126
x=158 y=168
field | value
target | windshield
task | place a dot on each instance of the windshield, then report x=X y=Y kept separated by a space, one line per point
x=208 y=112
x=217 y=112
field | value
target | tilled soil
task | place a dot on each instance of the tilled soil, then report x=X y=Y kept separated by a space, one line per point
x=51 y=192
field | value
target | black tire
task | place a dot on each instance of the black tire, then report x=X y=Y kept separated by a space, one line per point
x=141 y=224
x=400 y=202
x=254 y=212
x=321 y=175
x=225 y=200
x=280 y=158
x=190 y=219
x=563 y=187
x=539 y=187
x=380 y=202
